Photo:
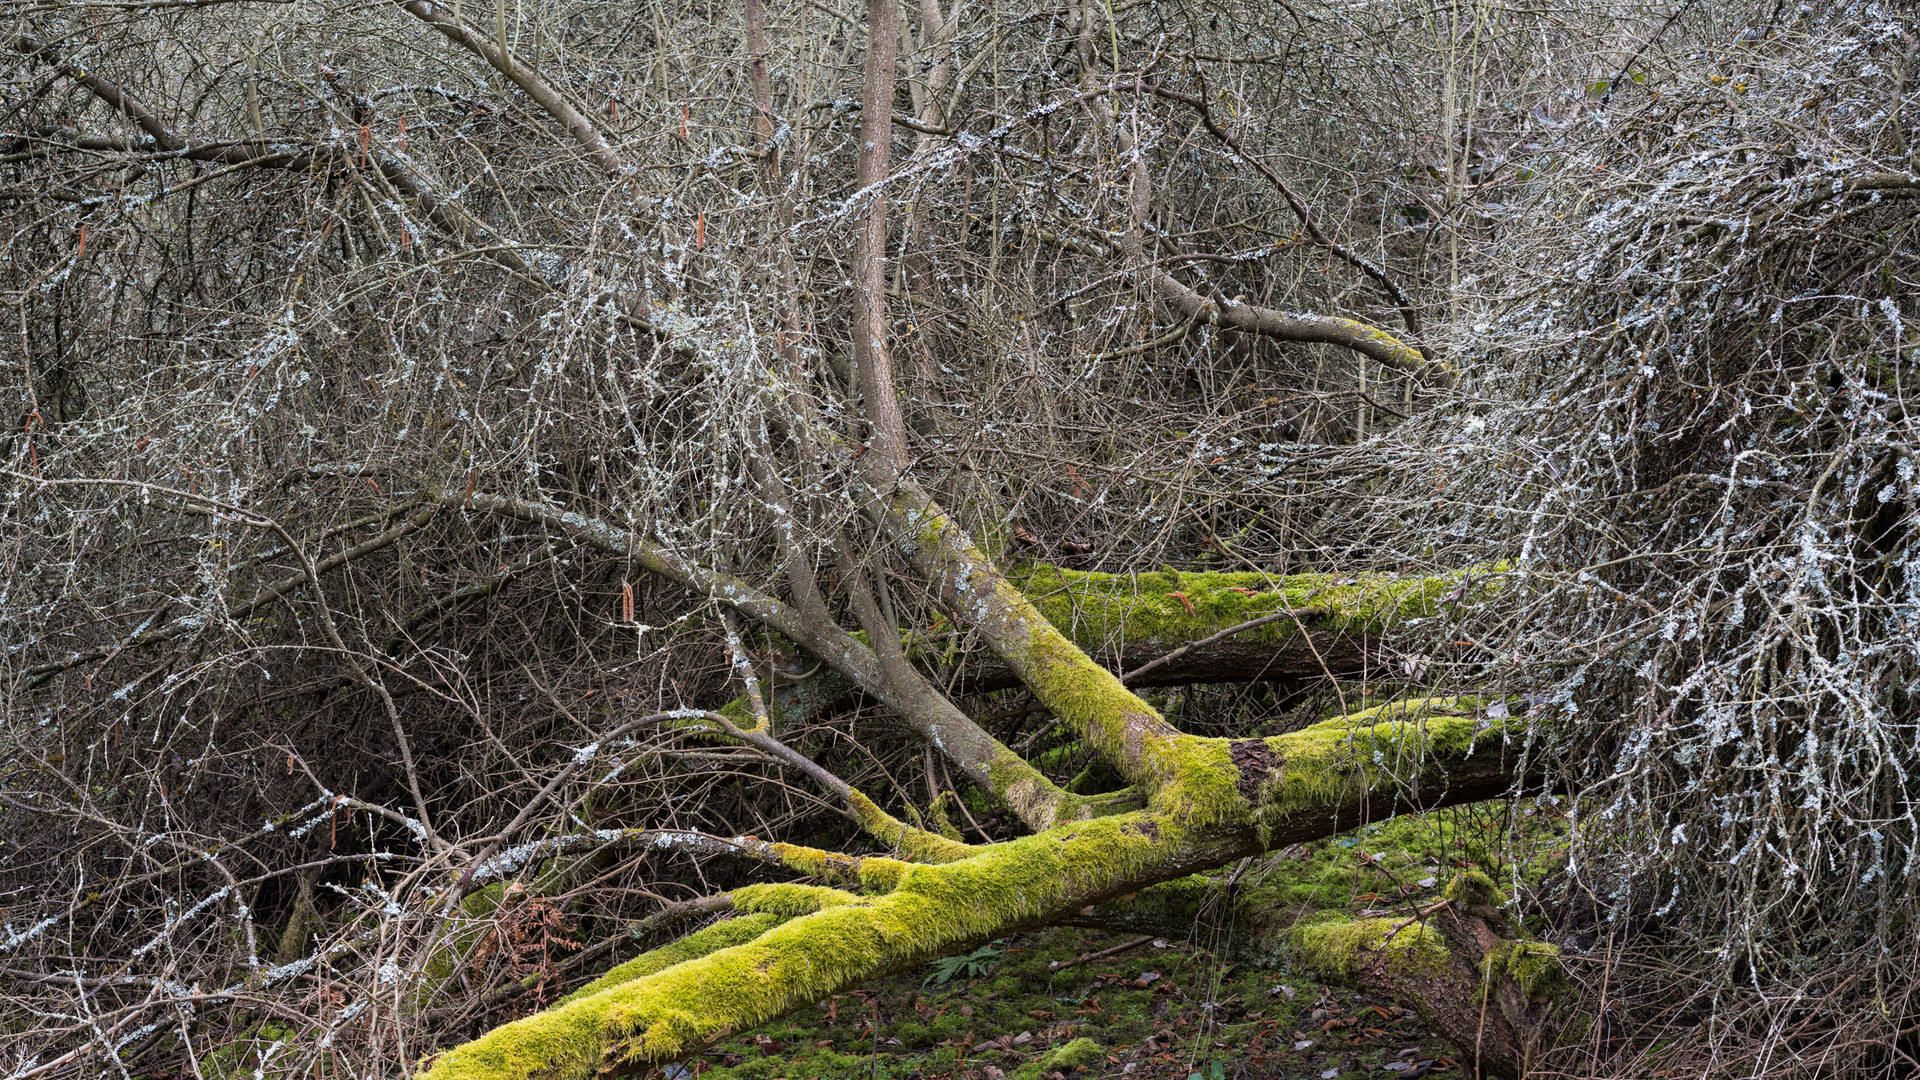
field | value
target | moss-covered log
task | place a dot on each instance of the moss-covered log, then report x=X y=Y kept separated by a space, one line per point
x=1322 y=625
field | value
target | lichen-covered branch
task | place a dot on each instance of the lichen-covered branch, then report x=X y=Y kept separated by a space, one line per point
x=267 y=595
x=1367 y=340
x=982 y=758
x=497 y=56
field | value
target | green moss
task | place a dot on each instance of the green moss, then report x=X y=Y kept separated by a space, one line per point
x=914 y=842
x=1360 y=869
x=723 y=934
x=1122 y=801
x=1092 y=701
x=1191 y=780
x=1017 y=783
x=1475 y=889
x=1534 y=967
x=1032 y=624
x=1074 y=1055
x=875 y=873
x=1337 y=761
x=789 y=899
x=1077 y=1054
x=881 y=875
x=941 y=822
x=1175 y=606
x=1336 y=945
x=815 y=863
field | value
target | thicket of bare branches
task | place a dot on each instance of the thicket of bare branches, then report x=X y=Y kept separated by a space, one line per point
x=1702 y=382
x=292 y=285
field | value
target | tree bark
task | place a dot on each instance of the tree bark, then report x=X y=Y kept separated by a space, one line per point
x=871 y=353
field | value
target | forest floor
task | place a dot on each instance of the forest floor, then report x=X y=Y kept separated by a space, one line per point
x=1160 y=1010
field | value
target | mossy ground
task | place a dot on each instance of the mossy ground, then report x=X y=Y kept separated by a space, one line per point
x=1154 y=1013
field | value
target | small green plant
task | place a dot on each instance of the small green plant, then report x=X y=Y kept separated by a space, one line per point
x=973 y=965
x=1212 y=1070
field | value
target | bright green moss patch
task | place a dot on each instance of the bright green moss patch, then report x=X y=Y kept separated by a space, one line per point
x=1125 y=730
x=482 y=901
x=1077 y=1054
x=914 y=842
x=788 y=899
x=1178 y=606
x=1337 y=945
x=815 y=863
x=1534 y=967
x=1204 y=789
x=1191 y=780
x=1074 y=1055
x=1337 y=761
x=881 y=875
x=1113 y=802
x=721 y=935
x=1475 y=889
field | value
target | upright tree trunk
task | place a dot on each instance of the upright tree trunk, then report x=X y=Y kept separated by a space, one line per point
x=879 y=399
